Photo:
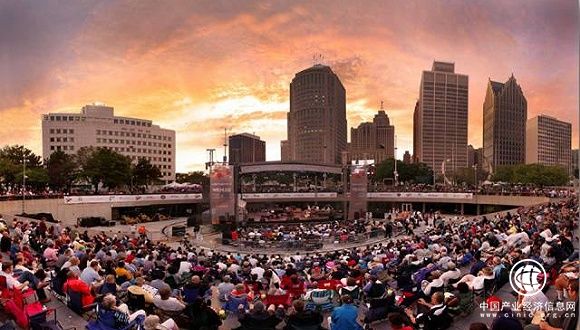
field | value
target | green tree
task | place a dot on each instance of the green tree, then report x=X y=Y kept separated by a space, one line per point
x=8 y=171
x=537 y=174
x=16 y=153
x=467 y=175
x=62 y=170
x=413 y=173
x=36 y=177
x=144 y=173
x=197 y=177
x=107 y=167
x=11 y=168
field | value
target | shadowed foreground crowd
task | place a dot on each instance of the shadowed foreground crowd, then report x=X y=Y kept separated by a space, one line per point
x=428 y=280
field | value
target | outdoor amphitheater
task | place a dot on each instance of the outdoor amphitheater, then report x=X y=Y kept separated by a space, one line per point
x=288 y=248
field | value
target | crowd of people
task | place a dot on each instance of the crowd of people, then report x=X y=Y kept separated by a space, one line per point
x=334 y=230
x=427 y=278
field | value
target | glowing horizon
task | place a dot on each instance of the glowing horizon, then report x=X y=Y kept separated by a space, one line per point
x=199 y=67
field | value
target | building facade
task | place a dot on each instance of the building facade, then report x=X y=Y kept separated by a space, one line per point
x=575 y=163
x=416 y=131
x=373 y=140
x=317 y=117
x=246 y=148
x=549 y=142
x=284 y=151
x=407 y=157
x=97 y=126
x=505 y=112
x=440 y=119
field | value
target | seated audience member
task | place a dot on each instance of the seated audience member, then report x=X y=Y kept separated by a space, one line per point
x=437 y=317
x=116 y=317
x=108 y=286
x=137 y=289
x=90 y=274
x=260 y=318
x=299 y=318
x=505 y=319
x=202 y=316
x=345 y=317
x=194 y=289
x=77 y=285
x=167 y=303
x=477 y=282
x=399 y=322
x=452 y=274
x=153 y=322
x=225 y=288
x=123 y=275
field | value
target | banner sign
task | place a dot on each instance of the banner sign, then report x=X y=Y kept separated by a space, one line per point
x=289 y=195
x=222 y=195
x=358 y=191
x=91 y=199
x=419 y=195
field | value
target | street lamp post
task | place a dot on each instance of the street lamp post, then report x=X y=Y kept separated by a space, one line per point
x=396 y=174
x=23 y=181
x=475 y=181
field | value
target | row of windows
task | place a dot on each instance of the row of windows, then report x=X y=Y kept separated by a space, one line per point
x=131 y=122
x=64 y=118
x=62 y=148
x=61 y=131
x=64 y=139
x=117 y=133
x=138 y=142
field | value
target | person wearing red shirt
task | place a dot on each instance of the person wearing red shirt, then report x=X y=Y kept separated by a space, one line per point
x=75 y=284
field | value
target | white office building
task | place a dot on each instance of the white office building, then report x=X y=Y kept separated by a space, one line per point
x=97 y=126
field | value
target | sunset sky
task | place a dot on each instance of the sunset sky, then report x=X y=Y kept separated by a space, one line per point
x=199 y=66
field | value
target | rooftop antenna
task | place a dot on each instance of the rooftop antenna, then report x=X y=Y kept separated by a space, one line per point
x=225 y=144
x=382 y=103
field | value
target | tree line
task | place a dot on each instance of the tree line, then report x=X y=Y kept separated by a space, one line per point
x=536 y=174
x=99 y=167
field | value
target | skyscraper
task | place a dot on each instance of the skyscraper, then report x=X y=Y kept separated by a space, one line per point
x=373 y=140
x=407 y=157
x=440 y=119
x=416 y=124
x=317 y=117
x=505 y=112
x=284 y=151
x=246 y=148
x=549 y=142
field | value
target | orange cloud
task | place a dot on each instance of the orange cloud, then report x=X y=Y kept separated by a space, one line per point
x=198 y=67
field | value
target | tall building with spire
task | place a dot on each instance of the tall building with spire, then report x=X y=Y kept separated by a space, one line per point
x=317 y=117
x=505 y=112
x=440 y=119
x=373 y=140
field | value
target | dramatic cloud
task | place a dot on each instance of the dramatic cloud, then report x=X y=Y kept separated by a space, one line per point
x=201 y=66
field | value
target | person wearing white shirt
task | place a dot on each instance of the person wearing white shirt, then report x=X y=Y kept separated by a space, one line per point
x=436 y=283
x=452 y=273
